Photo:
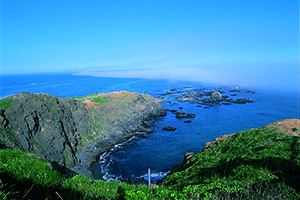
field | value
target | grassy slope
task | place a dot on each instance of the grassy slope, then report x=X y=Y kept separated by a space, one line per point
x=257 y=163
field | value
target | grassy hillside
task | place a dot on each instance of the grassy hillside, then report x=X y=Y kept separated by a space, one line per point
x=254 y=164
x=259 y=162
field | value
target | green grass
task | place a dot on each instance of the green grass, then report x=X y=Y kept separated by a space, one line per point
x=5 y=103
x=20 y=171
x=84 y=97
x=252 y=160
x=253 y=164
x=37 y=98
x=53 y=106
x=101 y=100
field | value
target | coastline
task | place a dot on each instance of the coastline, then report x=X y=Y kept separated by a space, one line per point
x=70 y=132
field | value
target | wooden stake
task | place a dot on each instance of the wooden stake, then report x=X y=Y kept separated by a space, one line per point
x=149 y=181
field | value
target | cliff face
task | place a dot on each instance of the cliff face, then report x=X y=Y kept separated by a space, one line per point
x=72 y=131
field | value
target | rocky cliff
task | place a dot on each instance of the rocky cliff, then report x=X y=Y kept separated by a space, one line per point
x=73 y=131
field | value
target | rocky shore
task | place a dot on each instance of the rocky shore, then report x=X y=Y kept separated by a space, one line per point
x=73 y=132
x=205 y=97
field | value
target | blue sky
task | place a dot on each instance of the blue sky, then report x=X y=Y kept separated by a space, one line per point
x=230 y=41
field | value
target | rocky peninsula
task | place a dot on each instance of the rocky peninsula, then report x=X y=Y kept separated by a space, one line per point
x=72 y=132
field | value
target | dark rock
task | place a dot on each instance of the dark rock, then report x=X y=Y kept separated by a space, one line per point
x=187 y=121
x=233 y=95
x=132 y=143
x=180 y=107
x=226 y=103
x=141 y=136
x=181 y=166
x=216 y=96
x=149 y=119
x=122 y=153
x=169 y=128
x=199 y=106
x=180 y=115
x=206 y=107
x=173 y=111
x=191 y=115
x=148 y=130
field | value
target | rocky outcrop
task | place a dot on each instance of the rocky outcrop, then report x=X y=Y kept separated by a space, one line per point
x=204 y=97
x=184 y=165
x=73 y=132
x=216 y=96
x=287 y=126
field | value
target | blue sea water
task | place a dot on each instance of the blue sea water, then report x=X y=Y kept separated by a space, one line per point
x=162 y=149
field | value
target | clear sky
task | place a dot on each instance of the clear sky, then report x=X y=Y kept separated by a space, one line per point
x=242 y=41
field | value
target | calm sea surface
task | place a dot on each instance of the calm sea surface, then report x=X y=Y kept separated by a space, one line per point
x=162 y=149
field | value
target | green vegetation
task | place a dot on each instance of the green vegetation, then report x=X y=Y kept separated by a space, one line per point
x=33 y=178
x=37 y=98
x=84 y=97
x=46 y=96
x=253 y=164
x=101 y=100
x=53 y=106
x=123 y=99
x=95 y=111
x=250 y=162
x=5 y=103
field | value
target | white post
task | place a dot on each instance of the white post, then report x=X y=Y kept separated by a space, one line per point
x=149 y=182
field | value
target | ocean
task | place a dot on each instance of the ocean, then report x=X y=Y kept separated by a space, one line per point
x=162 y=149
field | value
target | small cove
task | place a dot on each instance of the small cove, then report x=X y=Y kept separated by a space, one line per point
x=163 y=149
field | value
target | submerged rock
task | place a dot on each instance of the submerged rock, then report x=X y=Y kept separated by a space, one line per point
x=169 y=128
x=191 y=115
x=180 y=114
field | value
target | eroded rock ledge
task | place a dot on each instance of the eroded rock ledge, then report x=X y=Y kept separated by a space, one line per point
x=72 y=132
